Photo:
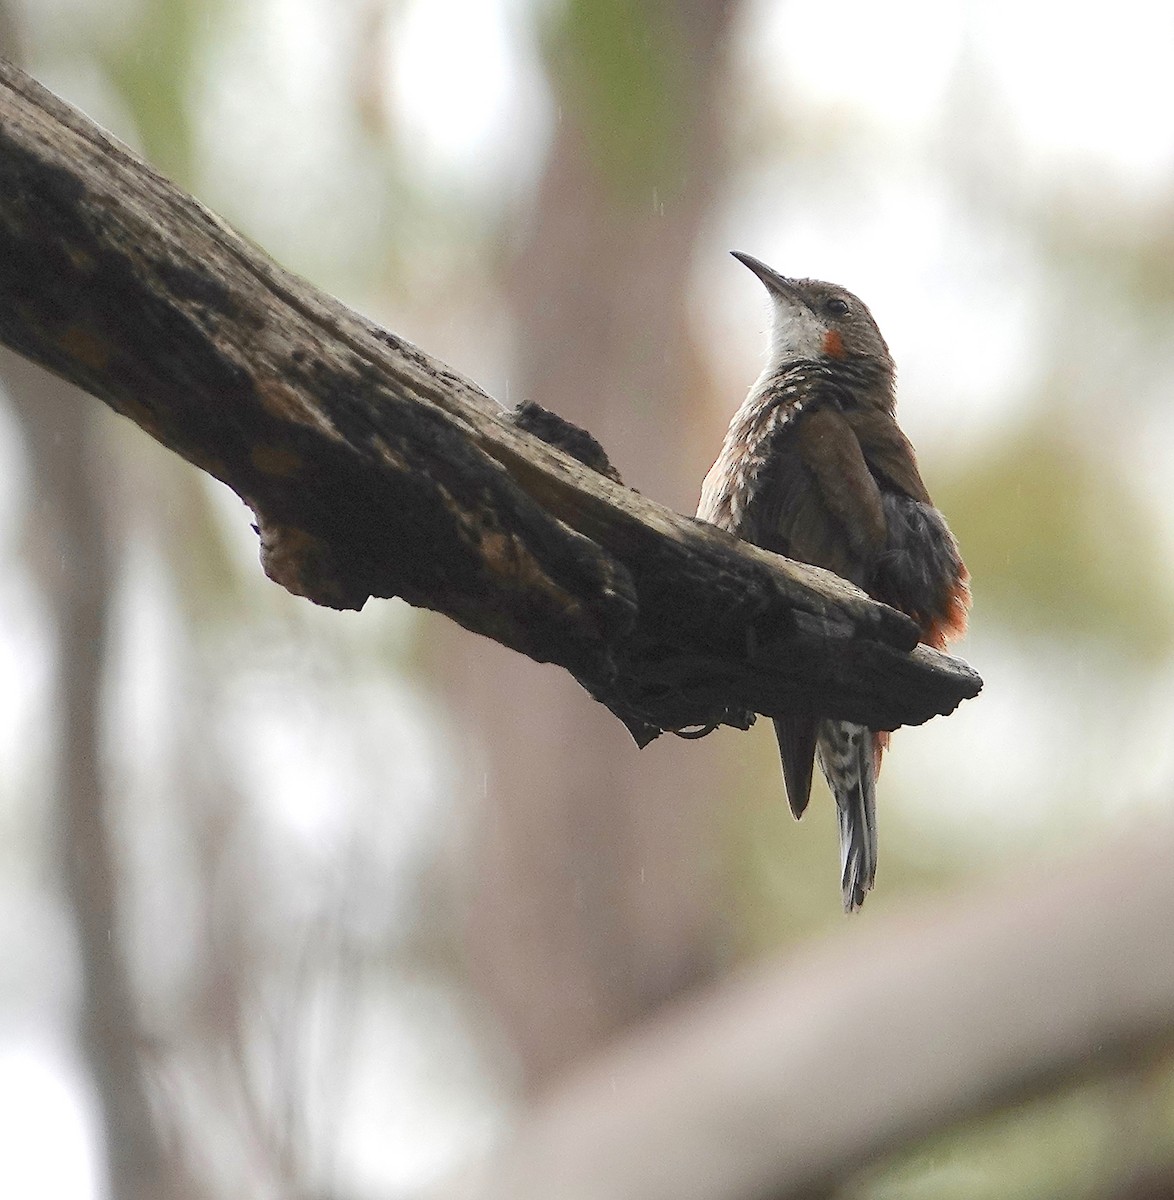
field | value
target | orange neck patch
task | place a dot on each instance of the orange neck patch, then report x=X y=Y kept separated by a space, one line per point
x=833 y=344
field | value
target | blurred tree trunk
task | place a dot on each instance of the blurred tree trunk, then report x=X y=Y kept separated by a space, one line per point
x=597 y=898
x=72 y=560
x=71 y=555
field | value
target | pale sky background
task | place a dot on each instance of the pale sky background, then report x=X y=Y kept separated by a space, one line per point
x=1080 y=98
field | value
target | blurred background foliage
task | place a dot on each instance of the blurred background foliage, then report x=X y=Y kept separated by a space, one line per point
x=300 y=903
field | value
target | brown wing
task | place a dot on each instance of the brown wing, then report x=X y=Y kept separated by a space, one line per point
x=888 y=451
x=822 y=504
x=921 y=571
x=845 y=493
x=796 y=737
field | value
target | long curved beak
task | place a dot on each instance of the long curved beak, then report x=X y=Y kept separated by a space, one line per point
x=769 y=276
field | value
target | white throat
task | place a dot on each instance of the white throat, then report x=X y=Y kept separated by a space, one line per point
x=795 y=332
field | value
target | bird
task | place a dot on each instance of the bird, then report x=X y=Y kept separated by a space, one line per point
x=815 y=467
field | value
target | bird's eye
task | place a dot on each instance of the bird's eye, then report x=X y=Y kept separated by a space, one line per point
x=837 y=307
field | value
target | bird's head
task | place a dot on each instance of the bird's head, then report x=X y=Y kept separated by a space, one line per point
x=820 y=321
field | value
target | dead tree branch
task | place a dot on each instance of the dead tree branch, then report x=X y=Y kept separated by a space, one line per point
x=786 y=1083
x=374 y=470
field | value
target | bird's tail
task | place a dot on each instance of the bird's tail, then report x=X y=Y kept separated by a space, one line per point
x=849 y=755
